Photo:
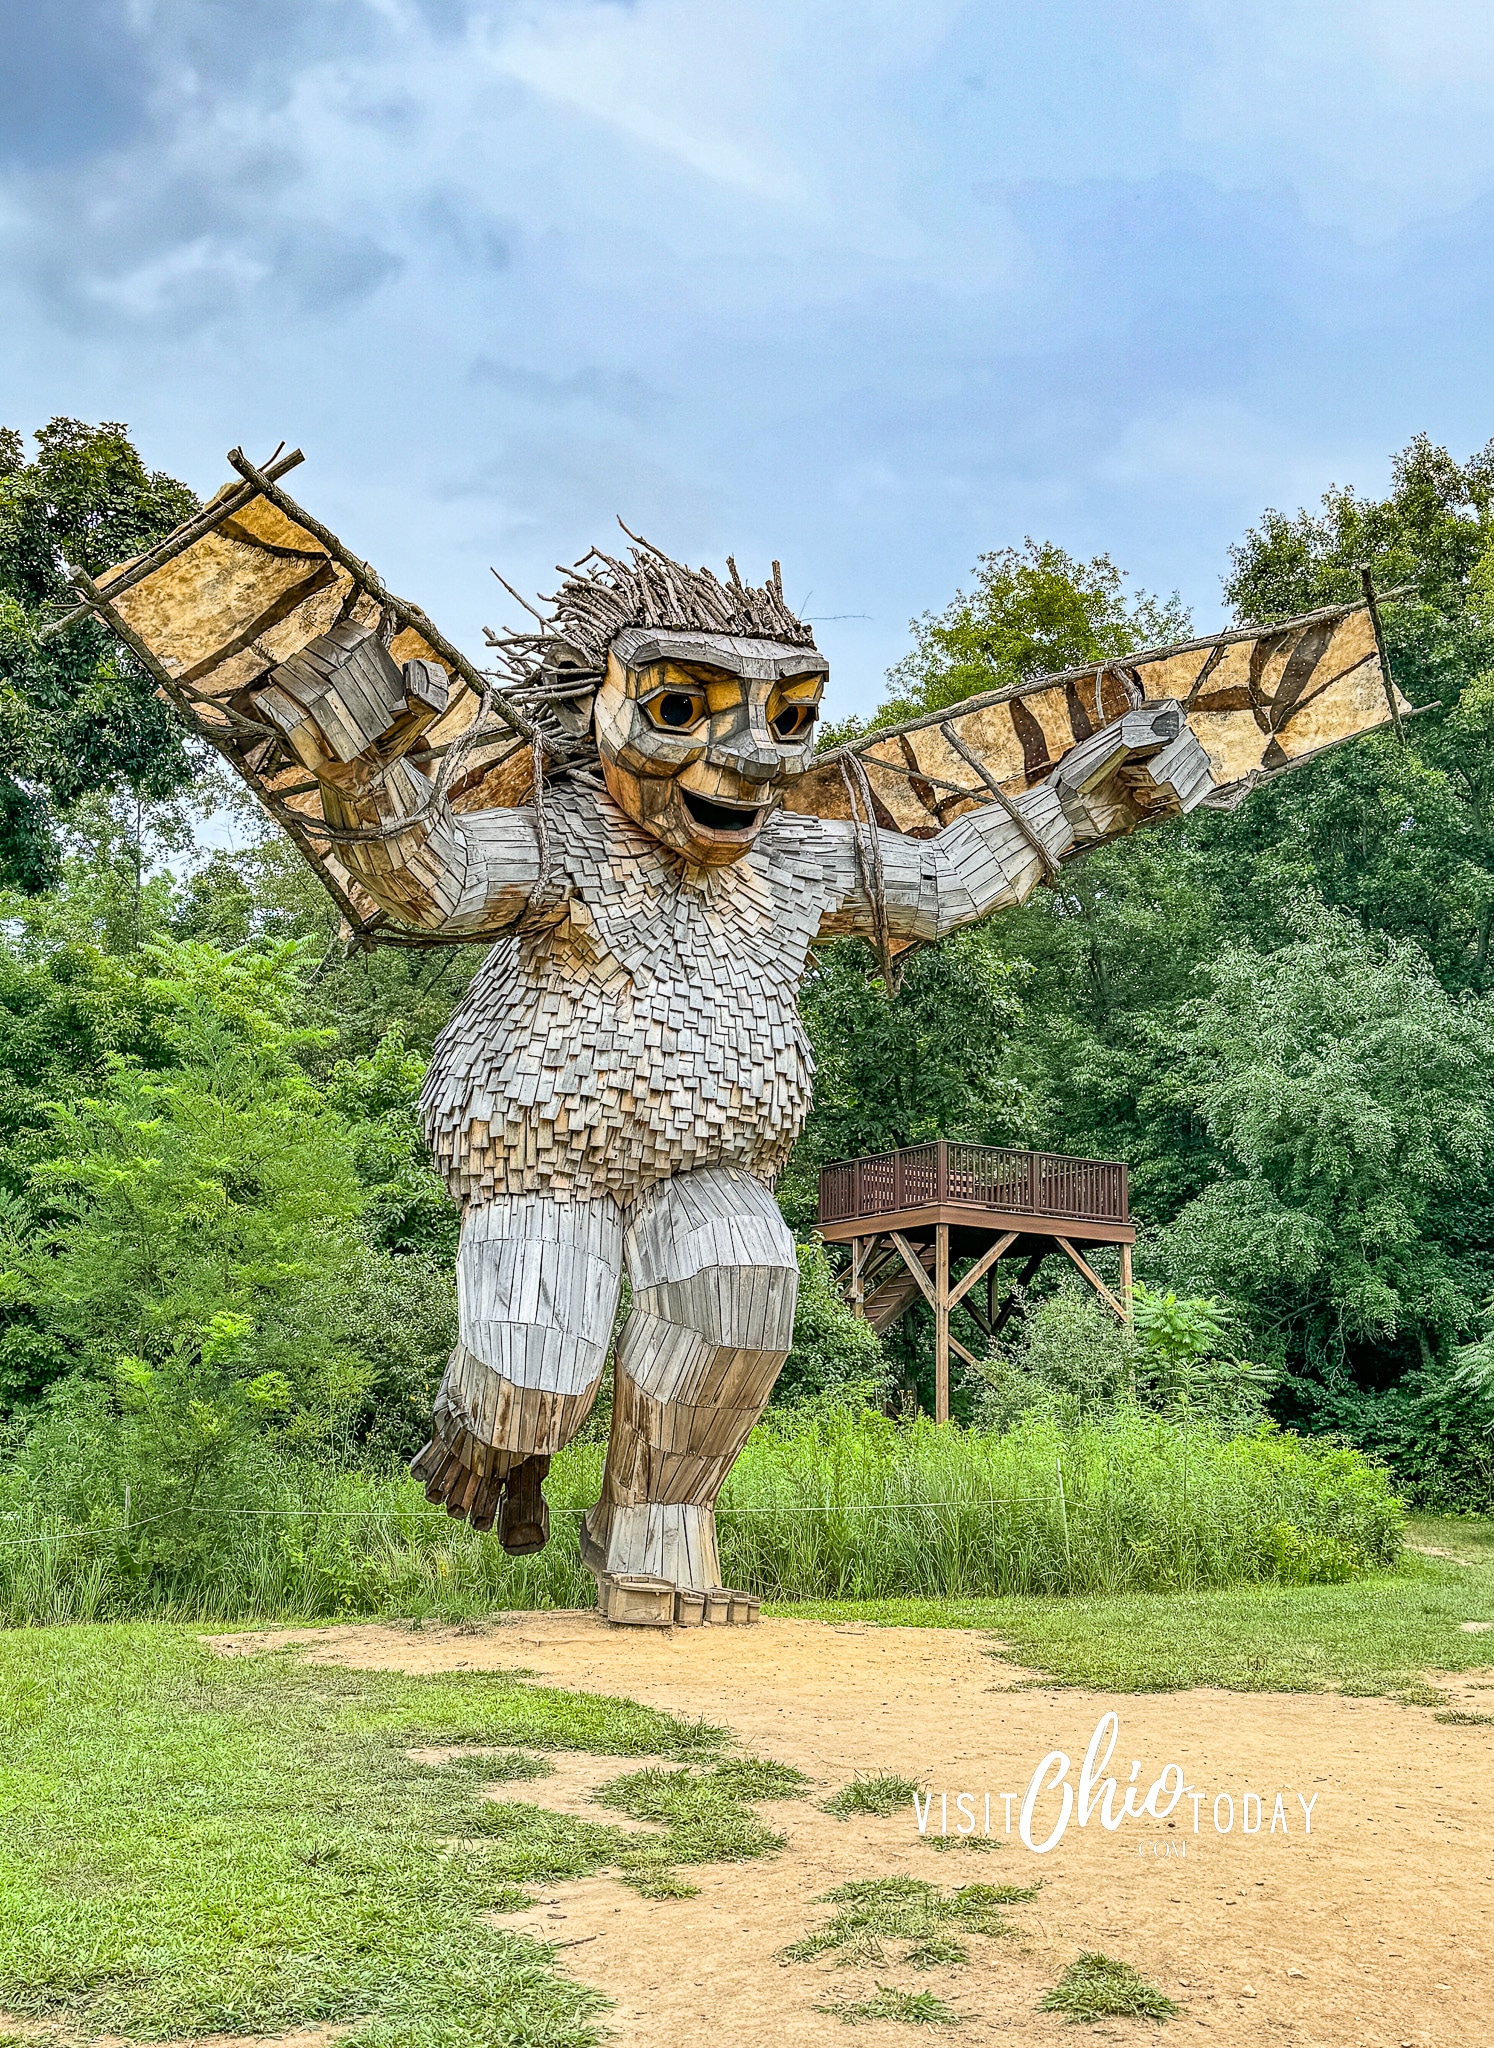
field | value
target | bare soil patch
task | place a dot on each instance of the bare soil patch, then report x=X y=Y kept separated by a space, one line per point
x=1373 y=1928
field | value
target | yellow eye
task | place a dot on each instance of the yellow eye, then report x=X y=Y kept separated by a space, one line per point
x=677 y=710
x=794 y=720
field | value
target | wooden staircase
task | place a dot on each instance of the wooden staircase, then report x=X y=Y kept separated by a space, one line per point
x=891 y=1288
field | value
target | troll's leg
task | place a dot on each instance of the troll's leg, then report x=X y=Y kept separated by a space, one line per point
x=537 y=1282
x=714 y=1281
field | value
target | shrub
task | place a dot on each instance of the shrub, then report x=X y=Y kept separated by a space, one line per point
x=1073 y=1362
x=836 y=1356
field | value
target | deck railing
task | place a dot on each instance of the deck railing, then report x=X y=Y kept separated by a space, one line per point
x=950 y=1175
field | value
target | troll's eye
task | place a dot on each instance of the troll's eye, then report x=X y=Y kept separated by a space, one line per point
x=677 y=710
x=795 y=720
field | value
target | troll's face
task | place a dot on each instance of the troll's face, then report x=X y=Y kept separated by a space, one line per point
x=699 y=732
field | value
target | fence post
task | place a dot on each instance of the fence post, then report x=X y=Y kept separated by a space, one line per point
x=1063 y=1515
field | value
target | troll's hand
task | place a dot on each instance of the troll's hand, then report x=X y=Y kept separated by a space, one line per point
x=347 y=709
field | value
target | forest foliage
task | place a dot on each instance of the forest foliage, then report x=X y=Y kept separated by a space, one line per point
x=214 y=1199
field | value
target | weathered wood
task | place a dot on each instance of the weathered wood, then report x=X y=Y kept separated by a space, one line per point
x=213 y=514
x=636 y=1600
x=951 y=735
x=100 y=603
x=1257 y=700
x=369 y=580
x=648 y=837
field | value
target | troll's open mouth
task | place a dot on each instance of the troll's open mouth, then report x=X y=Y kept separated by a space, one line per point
x=721 y=817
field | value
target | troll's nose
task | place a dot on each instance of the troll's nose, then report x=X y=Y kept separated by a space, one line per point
x=752 y=761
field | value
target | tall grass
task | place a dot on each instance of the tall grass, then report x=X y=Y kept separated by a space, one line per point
x=852 y=1507
x=311 y=1544
x=871 y=1509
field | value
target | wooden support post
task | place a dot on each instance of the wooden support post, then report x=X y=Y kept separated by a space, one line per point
x=983 y=1265
x=914 y=1264
x=1126 y=1295
x=1092 y=1277
x=856 y=1293
x=941 y=1322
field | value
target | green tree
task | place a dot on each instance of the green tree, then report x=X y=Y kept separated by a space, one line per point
x=836 y=1359
x=929 y=1063
x=1350 y=1104
x=223 y=1185
x=266 y=891
x=1031 y=611
x=1404 y=840
x=78 y=717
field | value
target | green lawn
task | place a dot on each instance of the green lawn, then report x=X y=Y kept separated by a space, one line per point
x=194 y=1843
x=1372 y=1635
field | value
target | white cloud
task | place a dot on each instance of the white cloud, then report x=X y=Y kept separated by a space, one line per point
x=870 y=287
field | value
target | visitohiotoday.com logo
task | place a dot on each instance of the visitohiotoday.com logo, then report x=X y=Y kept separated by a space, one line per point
x=1052 y=1799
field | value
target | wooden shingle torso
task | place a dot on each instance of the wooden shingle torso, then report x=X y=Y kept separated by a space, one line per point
x=643 y=1024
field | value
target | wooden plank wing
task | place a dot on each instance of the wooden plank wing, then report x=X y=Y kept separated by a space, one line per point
x=1259 y=701
x=240 y=588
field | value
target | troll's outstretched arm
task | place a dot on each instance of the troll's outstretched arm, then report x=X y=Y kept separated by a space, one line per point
x=1141 y=767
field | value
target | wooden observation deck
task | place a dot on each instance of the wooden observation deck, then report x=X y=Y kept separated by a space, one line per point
x=911 y=1217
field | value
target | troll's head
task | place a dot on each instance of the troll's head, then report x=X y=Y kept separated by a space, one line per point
x=698 y=697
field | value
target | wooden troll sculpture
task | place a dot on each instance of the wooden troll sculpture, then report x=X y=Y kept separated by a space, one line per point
x=638 y=819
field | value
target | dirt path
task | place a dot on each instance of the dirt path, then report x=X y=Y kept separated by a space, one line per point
x=1374 y=1927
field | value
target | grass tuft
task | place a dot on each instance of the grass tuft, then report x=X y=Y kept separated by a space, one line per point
x=1458 y=1717
x=982 y=1845
x=936 y=1951
x=883 y=1795
x=484 y=1767
x=1098 y=1987
x=913 y=2008
x=703 y=1818
x=754 y=1777
x=875 y=1910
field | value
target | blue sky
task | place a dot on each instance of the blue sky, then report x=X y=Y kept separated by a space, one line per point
x=869 y=288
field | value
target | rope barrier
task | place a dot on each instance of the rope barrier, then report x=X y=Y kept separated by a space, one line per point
x=880 y=1507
